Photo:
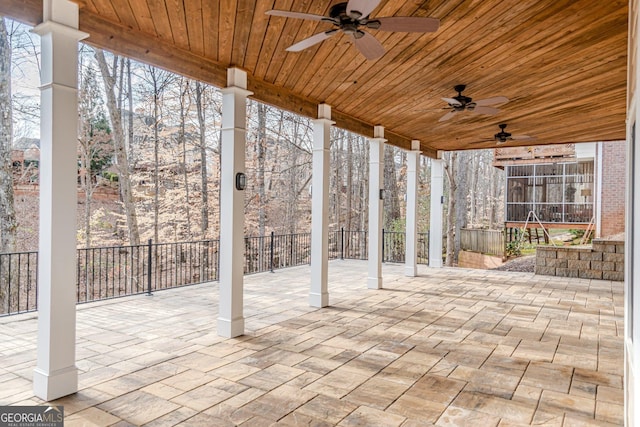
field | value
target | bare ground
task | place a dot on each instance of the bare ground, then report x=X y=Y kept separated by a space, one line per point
x=524 y=264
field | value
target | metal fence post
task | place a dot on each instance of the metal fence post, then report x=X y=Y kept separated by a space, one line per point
x=271 y=255
x=342 y=243
x=149 y=269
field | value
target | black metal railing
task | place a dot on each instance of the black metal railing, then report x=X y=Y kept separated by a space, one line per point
x=117 y=271
x=276 y=251
x=19 y=282
x=111 y=272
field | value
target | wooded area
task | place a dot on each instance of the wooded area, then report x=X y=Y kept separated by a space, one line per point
x=155 y=136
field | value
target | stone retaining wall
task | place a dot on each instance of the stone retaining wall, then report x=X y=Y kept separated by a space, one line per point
x=604 y=259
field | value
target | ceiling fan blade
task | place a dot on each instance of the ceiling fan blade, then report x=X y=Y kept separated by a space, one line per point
x=308 y=42
x=523 y=138
x=409 y=24
x=451 y=101
x=485 y=110
x=297 y=15
x=447 y=116
x=362 y=8
x=369 y=46
x=492 y=101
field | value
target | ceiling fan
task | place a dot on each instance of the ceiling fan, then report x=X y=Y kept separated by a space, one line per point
x=352 y=18
x=503 y=136
x=460 y=103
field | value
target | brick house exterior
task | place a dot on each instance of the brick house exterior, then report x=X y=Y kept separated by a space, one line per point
x=613 y=188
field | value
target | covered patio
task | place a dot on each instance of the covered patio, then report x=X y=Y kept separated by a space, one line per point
x=455 y=347
x=448 y=347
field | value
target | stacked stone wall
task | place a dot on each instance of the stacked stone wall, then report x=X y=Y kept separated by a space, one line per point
x=603 y=260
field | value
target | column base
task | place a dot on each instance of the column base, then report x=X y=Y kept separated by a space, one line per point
x=54 y=385
x=410 y=270
x=437 y=263
x=319 y=300
x=374 y=283
x=231 y=328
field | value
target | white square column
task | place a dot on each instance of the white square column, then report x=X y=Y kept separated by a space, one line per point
x=234 y=129
x=411 y=252
x=376 y=170
x=56 y=374
x=632 y=231
x=435 y=219
x=319 y=294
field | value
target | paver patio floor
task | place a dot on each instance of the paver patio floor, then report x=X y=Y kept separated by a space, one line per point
x=452 y=347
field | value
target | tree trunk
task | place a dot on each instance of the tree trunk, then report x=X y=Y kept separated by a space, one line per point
x=8 y=222
x=120 y=147
x=156 y=156
x=261 y=150
x=391 y=200
x=461 y=196
x=449 y=167
x=204 y=178
x=349 y=183
x=183 y=139
x=474 y=192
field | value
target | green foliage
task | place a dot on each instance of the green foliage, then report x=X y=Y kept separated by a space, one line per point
x=514 y=248
x=110 y=176
x=577 y=234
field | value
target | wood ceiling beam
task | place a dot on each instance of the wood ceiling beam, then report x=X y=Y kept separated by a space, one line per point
x=26 y=11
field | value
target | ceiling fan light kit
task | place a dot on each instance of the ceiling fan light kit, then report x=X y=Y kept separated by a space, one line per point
x=352 y=18
x=503 y=136
x=461 y=103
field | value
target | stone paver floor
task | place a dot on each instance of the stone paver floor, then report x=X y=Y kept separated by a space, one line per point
x=452 y=347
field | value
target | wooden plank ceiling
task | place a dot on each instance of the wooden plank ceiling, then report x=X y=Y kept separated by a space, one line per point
x=561 y=63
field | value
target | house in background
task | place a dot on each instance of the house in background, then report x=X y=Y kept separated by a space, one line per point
x=570 y=186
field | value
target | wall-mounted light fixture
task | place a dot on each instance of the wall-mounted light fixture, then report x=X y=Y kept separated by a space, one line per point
x=241 y=181
x=382 y=194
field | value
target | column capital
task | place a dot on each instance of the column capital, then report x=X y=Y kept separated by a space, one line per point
x=415 y=145
x=324 y=111
x=378 y=132
x=236 y=90
x=236 y=77
x=53 y=27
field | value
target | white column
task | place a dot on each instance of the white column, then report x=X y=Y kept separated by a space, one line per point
x=632 y=273
x=435 y=220
x=234 y=129
x=632 y=233
x=376 y=170
x=319 y=295
x=411 y=255
x=56 y=374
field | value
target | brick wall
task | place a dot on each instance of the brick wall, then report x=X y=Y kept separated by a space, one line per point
x=604 y=260
x=613 y=187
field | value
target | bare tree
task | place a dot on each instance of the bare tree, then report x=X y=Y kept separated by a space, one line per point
x=8 y=223
x=109 y=75
x=450 y=166
x=261 y=148
x=159 y=81
x=204 y=178
x=94 y=143
x=391 y=196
